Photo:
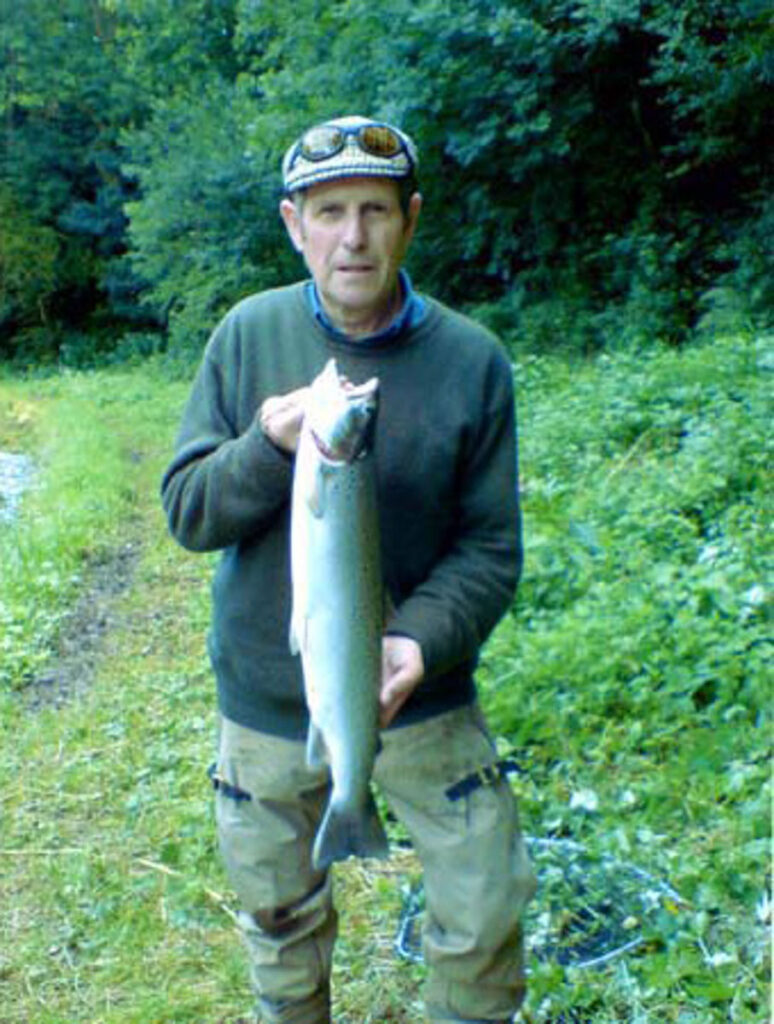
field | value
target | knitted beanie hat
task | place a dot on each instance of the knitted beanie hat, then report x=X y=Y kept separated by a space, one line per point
x=348 y=147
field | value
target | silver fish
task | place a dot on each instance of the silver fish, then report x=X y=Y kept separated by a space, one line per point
x=337 y=616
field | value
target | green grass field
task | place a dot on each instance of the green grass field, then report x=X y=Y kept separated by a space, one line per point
x=632 y=678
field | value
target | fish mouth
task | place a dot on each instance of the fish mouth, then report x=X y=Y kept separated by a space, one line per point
x=358 y=392
x=339 y=458
x=346 y=455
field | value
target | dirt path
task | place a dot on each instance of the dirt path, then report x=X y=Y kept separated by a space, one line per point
x=85 y=630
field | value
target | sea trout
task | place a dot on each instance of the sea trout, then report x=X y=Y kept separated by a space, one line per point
x=337 y=616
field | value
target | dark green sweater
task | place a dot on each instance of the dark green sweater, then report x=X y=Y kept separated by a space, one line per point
x=445 y=452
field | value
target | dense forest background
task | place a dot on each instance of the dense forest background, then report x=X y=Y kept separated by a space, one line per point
x=595 y=172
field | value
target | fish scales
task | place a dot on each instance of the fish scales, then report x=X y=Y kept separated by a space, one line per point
x=338 y=607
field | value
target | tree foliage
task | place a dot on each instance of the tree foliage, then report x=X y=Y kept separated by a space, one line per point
x=61 y=175
x=593 y=170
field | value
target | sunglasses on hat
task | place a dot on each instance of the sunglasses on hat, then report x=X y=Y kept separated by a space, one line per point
x=327 y=140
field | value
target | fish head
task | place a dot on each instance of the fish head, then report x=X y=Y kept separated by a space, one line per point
x=340 y=416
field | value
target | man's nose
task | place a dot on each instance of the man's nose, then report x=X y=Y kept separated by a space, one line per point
x=354 y=232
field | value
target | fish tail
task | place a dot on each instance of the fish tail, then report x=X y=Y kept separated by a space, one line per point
x=349 y=833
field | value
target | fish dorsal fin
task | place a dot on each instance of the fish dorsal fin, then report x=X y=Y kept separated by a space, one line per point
x=297 y=634
x=315 y=494
x=316 y=750
x=293 y=638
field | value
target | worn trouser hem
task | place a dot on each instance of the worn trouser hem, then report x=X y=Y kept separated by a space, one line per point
x=314 y=1010
x=461 y=1004
x=471 y=1020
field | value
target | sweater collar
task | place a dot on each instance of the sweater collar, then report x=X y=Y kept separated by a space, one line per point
x=409 y=315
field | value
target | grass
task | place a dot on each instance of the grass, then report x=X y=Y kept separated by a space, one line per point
x=89 y=435
x=633 y=668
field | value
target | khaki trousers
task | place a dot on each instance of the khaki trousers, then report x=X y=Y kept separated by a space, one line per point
x=476 y=871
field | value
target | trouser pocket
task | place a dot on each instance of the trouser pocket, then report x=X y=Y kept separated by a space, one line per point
x=268 y=807
x=476 y=870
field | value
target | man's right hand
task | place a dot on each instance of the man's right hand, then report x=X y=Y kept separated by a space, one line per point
x=281 y=416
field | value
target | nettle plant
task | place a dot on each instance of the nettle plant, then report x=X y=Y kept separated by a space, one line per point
x=632 y=674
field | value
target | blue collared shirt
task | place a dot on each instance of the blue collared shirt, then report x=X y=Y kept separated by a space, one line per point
x=411 y=313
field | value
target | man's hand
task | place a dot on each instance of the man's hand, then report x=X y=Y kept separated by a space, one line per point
x=403 y=669
x=281 y=417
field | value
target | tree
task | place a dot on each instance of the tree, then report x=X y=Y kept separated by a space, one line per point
x=62 y=184
x=592 y=169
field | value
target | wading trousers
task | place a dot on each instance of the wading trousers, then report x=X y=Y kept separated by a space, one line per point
x=477 y=876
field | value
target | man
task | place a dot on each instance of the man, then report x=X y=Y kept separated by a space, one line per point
x=445 y=454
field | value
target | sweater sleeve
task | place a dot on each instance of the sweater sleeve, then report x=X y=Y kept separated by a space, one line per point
x=468 y=590
x=221 y=486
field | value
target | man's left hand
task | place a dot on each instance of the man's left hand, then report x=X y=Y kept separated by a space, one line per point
x=403 y=669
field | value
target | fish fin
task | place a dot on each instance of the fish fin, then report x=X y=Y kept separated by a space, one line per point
x=345 y=833
x=297 y=632
x=316 y=750
x=315 y=495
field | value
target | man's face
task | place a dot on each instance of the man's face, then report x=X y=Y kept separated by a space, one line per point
x=353 y=235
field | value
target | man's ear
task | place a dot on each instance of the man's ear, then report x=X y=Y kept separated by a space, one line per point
x=291 y=217
x=414 y=209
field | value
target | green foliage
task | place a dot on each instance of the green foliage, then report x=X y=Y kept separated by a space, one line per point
x=63 y=97
x=591 y=170
x=169 y=51
x=84 y=494
x=28 y=264
x=637 y=662
x=207 y=229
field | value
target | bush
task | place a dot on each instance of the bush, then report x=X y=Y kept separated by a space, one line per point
x=634 y=670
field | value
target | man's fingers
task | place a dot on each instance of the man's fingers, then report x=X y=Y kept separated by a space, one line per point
x=281 y=417
x=293 y=401
x=390 y=704
x=402 y=671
